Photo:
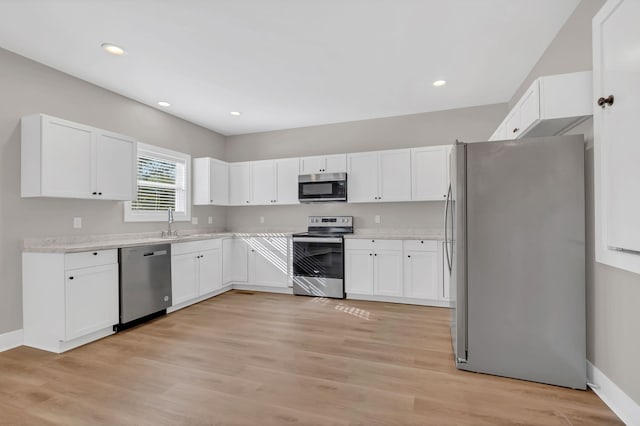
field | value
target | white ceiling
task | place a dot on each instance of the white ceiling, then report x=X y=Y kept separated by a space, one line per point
x=290 y=63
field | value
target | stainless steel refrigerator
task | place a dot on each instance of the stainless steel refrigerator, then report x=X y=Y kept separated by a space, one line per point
x=515 y=233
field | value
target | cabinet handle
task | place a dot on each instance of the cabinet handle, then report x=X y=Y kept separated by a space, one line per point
x=421 y=242
x=408 y=255
x=99 y=193
x=603 y=102
x=373 y=241
x=70 y=278
x=516 y=130
x=94 y=193
x=95 y=253
x=370 y=254
x=247 y=201
x=375 y=254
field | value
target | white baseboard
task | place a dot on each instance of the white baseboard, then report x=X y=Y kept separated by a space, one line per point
x=615 y=398
x=403 y=300
x=267 y=289
x=11 y=340
x=179 y=306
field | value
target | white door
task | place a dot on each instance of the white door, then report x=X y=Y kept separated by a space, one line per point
x=287 y=172
x=421 y=275
x=116 y=167
x=358 y=271
x=395 y=175
x=267 y=268
x=184 y=277
x=311 y=165
x=67 y=159
x=387 y=273
x=239 y=184
x=616 y=72
x=362 y=177
x=429 y=173
x=91 y=300
x=263 y=183
x=219 y=183
x=209 y=271
x=335 y=163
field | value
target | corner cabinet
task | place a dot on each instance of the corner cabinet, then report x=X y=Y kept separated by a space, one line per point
x=551 y=106
x=64 y=159
x=616 y=37
x=69 y=299
x=210 y=182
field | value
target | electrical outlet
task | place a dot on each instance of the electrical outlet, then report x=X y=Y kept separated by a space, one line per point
x=77 y=222
x=194 y=220
x=377 y=218
x=261 y=219
x=210 y=220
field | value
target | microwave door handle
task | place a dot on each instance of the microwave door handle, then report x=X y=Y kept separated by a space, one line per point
x=446 y=226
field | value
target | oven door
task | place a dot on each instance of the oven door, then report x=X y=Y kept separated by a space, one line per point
x=324 y=187
x=318 y=257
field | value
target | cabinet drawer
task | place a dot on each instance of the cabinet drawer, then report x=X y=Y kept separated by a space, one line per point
x=372 y=244
x=88 y=259
x=421 y=245
x=196 y=246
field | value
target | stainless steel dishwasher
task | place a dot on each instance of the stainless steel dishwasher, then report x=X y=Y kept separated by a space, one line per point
x=145 y=283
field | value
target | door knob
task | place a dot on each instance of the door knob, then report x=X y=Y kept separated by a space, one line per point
x=603 y=102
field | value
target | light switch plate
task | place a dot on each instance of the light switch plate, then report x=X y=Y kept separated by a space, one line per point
x=77 y=222
x=194 y=220
x=210 y=220
x=377 y=218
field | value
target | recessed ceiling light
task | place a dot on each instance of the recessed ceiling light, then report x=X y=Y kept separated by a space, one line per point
x=439 y=83
x=164 y=104
x=113 y=49
x=235 y=113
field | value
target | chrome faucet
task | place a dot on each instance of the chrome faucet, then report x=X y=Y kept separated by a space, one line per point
x=169 y=233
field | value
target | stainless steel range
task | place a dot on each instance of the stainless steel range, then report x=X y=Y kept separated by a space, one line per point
x=318 y=257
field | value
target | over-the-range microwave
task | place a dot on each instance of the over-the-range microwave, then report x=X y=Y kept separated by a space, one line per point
x=322 y=187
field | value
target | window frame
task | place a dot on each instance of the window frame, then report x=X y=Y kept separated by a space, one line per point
x=161 y=216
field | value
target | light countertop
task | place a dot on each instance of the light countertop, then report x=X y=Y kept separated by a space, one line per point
x=397 y=234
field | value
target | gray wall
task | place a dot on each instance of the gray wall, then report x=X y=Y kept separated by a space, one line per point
x=28 y=87
x=433 y=128
x=570 y=50
x=612 y=294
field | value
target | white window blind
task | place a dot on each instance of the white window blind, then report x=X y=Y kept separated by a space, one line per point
x=163 y=178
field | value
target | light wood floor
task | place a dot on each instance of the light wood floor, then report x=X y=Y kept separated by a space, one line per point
x=265 y=359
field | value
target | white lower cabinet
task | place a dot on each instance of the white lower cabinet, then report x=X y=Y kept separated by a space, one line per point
x=69 y=299
x=409 y=271
x=268 y=261
x=196 y=269
x=234 y=260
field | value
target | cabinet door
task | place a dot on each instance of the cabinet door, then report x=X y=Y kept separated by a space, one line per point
x=91 y=300
x=219 y=183
x=287 y=172
x=335 y=163
x=267 y=267
x=67 y=156
x=358 y=271
x=209 y=271
x=362 y=177
x=529 y=108
x=240 y=260
x=421 y=275
x=227 y=260
x=311 y=165
x=184 y=277
x=116 y=167
x=387 y=273
x=429 y=173
x=239 y=184
x=512 y=123
x=263 y=183
x=395 y=175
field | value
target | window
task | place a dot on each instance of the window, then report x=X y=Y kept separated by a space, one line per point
x=163 y=183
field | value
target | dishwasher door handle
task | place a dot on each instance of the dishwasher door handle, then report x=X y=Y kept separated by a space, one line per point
x=156 y=253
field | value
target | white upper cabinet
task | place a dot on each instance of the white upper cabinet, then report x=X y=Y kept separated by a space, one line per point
x=379 y=176
x=287 y=171
x=430 y=173
x=551 y=105
x=240 y=184
x=70 y=160
x=210 y=182
x=323 y=164
x=263 y=182
x=616 y=67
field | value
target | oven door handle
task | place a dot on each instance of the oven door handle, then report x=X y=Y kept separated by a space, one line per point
x=317 y=240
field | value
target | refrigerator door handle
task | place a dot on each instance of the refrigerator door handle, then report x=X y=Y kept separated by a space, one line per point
x=446 y=226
